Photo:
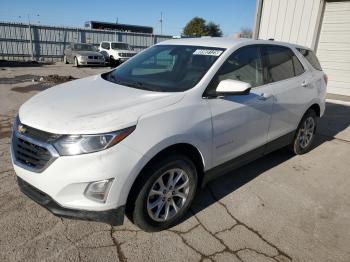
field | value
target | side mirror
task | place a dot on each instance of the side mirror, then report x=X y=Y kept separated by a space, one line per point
x=233 y=87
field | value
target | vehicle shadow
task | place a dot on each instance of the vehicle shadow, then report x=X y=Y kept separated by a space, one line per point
x=335 y=121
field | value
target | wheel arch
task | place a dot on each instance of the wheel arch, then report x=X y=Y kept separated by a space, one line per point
x=186 y=149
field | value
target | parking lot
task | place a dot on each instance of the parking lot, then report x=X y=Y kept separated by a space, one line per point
x=278 y=208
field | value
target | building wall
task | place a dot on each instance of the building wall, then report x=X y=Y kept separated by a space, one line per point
x=293 y=21
x=333 y=48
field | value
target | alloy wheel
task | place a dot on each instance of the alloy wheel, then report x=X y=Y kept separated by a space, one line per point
x=306 y=132
x=168 y=195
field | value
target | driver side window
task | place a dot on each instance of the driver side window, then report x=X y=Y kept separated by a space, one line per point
x=243 y=65
x=105 y=45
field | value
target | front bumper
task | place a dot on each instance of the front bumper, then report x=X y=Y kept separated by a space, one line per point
x=89 y=61
x=113 y=217
x=65 y=179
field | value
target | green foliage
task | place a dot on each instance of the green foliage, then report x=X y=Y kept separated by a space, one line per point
x=198 y=27
x=213 y=29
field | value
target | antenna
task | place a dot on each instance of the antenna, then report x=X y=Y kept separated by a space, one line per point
x=161 y=23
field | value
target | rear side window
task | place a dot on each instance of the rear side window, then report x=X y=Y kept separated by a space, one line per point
x=281 y=63
x=311 y=58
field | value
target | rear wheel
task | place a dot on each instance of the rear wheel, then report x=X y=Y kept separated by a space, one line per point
x=165 y=194
x=305 y=133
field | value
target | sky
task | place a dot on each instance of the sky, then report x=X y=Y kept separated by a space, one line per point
x=231 y=15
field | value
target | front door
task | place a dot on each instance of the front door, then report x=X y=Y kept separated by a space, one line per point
x=240 y=122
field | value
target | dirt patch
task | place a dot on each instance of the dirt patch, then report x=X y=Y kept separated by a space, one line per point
x=5 y=127
x=39 y=83
x=18 y=79
x=34 y=87
x=6 y=63
x=56 y=79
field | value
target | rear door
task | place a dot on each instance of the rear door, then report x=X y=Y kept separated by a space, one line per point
x=292 y=87
x=240 y=122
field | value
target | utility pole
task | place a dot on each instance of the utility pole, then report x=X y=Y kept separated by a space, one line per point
x=161 y=23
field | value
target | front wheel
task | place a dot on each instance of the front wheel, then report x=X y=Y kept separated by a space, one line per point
x=305 y=133
x=76 y=62
x=166 y=192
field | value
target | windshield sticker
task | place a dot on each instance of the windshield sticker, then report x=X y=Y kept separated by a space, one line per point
x=207 y=52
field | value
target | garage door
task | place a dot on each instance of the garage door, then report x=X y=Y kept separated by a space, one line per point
x=334 y=46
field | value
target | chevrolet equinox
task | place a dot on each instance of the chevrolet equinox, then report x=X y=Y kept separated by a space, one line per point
x=141 y=139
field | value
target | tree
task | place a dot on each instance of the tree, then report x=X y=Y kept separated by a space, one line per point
x=198 y=27
x=213 y=29
x=195 y=27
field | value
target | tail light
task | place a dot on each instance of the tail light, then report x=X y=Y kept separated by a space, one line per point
x=325 y=77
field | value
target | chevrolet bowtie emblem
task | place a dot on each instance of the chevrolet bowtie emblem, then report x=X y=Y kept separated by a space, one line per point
x=21 y=129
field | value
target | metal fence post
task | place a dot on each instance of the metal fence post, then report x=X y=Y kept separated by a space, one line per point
x=31 y=40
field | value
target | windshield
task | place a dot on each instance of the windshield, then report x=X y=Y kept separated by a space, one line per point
x=166 y=68
x=122 y=46
x=84 y=47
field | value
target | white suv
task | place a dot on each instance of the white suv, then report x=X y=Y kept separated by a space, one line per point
x=142 y=138
x=116 y=52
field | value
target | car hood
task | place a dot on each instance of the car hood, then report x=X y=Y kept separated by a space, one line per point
x=91 y=105
x=87 y=53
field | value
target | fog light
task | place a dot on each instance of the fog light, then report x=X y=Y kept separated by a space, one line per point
x=98 y=191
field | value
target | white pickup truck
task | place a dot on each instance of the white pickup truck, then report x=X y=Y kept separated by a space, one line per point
x=116 y=52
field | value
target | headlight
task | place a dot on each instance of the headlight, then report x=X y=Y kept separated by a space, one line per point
x=69 y=145
x=81 y=57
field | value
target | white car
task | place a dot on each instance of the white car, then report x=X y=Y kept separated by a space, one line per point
x=142 y=138
x=116 y=52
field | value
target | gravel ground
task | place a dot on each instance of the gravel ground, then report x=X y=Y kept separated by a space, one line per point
x=278 y=208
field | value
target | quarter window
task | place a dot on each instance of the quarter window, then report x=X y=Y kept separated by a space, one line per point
x=311 y=57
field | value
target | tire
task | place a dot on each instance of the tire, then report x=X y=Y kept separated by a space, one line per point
x=164 y=202
x=305 y=133
x=76 y=62
x=65 y=60
x=112 y=61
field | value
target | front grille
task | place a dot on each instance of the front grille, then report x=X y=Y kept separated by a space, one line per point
x=95 y=57
x=39 y=135
x=126 y=54
x=30 y=154
x=32 y=149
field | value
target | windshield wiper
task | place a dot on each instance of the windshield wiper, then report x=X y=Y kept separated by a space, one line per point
x=134 y=84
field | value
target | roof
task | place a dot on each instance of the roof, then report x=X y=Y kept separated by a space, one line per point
x=125 y=25
x=222 y=42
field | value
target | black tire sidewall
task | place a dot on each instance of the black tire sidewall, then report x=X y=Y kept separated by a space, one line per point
x=76 y=62
x=297 y=149
x=140 y=215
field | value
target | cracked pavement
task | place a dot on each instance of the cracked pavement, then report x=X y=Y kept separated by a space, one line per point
x=278 y=208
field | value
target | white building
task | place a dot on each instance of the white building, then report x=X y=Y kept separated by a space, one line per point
x=320 y=24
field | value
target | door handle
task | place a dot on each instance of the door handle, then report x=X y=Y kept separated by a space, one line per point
x=264 y=96
x=304 y=84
